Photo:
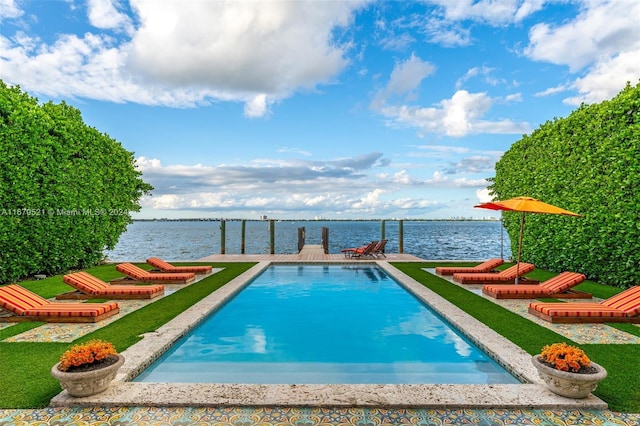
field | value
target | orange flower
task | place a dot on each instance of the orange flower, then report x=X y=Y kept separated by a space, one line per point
x=565 y=357
x=86 y=353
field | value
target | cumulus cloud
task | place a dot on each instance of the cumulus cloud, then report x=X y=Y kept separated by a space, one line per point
x=607 y=78
x=183 y=54
x=9 y=9
x=604 y=39
x=345 y=186
x=104 y=14
x=456 y=117
x=601 y=30
x=484 y=195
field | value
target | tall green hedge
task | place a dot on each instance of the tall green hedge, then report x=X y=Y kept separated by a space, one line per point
x=66 y=190
x=588 y=163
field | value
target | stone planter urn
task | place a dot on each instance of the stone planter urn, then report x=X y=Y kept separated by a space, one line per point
x=568 y=384
x=86 y=383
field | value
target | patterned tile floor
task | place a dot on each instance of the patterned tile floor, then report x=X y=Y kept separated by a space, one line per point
x=247 y=416
x=301 y=416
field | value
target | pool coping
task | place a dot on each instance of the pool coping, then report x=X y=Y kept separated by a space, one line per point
x=532 y=393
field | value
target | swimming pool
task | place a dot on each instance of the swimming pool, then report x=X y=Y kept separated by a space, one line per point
x=325 y=324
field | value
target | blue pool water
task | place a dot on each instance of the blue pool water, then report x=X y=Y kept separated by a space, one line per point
x=325 y=324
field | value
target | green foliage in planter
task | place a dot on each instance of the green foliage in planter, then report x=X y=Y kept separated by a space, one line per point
x=588 y=163
x=66 y=190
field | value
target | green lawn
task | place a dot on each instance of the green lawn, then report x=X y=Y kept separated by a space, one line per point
x=25 y=380
x=26 y=383
x=621 y=389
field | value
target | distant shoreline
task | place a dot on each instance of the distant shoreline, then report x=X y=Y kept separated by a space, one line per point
x=315 y=220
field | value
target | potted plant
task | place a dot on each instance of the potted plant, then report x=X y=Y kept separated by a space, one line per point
x=88 y=368
x=568 y=371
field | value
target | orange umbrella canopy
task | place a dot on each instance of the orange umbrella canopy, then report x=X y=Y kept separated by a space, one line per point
x=524 y=205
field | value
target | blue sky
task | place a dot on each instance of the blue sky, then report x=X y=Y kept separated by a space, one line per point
x=319 y=109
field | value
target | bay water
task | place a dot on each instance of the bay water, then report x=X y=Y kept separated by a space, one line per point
x=192 y=240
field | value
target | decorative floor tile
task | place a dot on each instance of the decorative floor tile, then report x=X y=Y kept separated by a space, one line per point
x=268 y=416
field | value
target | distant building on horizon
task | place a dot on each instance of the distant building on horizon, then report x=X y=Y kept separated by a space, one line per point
x=263 y=217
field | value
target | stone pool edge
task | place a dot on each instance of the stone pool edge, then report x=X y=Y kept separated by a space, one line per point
x=531 y=394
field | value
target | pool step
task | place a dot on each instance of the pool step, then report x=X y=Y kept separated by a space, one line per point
x=328 y=373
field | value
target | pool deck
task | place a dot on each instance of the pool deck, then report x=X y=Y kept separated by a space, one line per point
x=327 y=404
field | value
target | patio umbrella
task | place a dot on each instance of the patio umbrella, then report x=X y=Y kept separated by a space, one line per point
x=524 y=205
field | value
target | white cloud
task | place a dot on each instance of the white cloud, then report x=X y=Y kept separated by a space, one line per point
x=603 y=40
x=9 y=9
x=484 y=196
x=456 y=117
x=185 y=54
x=405 y=78
x=603 y=29
x=408 y=75
x=606 y=79
x=496 y=12
x=369 y=201
x=515 y=97
x=445 y=33
x=104 y=14
x=256 y=107
x=551 y=91
x=300 y=188
x=264 y=48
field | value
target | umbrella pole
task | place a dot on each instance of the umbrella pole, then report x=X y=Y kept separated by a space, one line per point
x=501 y=236
x=519 y=248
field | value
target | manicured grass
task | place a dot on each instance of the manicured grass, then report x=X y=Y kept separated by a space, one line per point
x=25 y=380
x=26 y=383
x=621 y=389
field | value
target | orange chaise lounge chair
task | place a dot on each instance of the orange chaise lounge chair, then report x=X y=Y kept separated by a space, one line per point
x=135 y=274
x=508 y=276
x=163 y=266
x=360 y=251
x=87 y=286
x=25 y=305
x=559 y=287
x=486 y=266
x=623 y=307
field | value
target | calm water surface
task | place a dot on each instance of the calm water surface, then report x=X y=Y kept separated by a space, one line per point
x=437 y=240
x=325 y=324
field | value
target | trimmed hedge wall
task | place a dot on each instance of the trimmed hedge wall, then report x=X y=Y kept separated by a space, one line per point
x=66 y=190
x=588 y=163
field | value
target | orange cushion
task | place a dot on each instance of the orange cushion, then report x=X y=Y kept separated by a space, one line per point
x=483 y=267
x=506 y=275
x=576 y=309
x=72 y=309
x=167 y=267
x=562 y=282
x=18 y=299
x=130 y=290
x=627 y=301
x=86 y=282
x=89 y=284
x=532 y=289
x=132 y=270
x=23 y=302
x=140 y=274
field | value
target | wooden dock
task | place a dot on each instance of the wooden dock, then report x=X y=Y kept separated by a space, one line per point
x=309 y=253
